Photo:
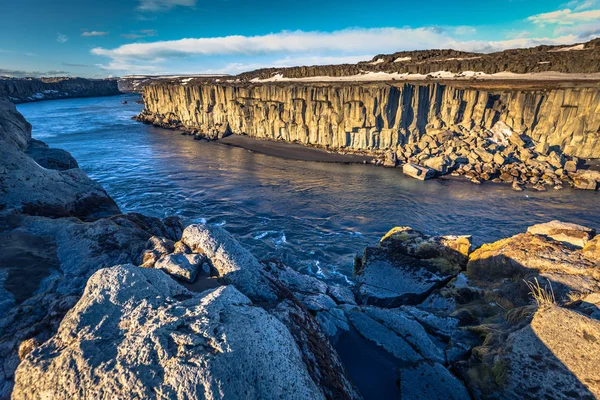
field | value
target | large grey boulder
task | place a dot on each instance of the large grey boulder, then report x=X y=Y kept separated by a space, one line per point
x=136 y=333
x=417 y=171
x=45 y=264
x=233 y=262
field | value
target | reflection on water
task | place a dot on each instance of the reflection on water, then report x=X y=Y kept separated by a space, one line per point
x=313 y=215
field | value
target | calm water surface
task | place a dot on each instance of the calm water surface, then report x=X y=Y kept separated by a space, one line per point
x=315 y=216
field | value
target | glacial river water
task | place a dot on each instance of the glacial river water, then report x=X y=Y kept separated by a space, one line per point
x=315 y=216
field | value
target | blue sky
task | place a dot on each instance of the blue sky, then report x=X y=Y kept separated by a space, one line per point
x=120 y=37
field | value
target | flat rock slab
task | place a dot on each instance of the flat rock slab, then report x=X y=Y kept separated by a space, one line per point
x=389 y=281
x=576 y=235
x=418 y=172
x=556 y=356
x=430 y=381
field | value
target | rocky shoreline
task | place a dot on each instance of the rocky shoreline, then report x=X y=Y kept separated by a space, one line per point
x=25 y=90
x=96 y=303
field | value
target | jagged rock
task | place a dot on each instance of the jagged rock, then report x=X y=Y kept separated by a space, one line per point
x=233 y=262
x=155 y=248
x=574 y=234
x=449 y=252
x=440 y=164
x=34 y=190
x=184 y=266
x=571 y=166
x=341 y=294
x=592 y=249
x=417 y=171
x=318 y=302
x=223 y=338
x=586 y=179
x=43 y=282
x=295 y=281
x=390 y=159
x=333 y=322
x=431 y=381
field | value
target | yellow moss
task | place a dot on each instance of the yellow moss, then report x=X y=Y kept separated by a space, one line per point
x=399 y=232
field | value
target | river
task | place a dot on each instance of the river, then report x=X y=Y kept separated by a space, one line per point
x=314 y=216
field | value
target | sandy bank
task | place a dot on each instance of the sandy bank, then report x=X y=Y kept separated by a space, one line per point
x=291 y=151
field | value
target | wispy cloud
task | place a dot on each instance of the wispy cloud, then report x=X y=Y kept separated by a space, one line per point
x=75 y=65
x=578 y=5
x=15 y=73
x=161 y=5
x=140 y=34
x=565 y=17
x=60 y=38
x=94 y=33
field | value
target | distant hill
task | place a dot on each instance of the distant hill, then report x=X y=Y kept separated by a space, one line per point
x=578 y=58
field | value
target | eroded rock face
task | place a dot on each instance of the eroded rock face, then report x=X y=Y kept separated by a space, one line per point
x=23 y=90
x=379 y=117
x=137 y=333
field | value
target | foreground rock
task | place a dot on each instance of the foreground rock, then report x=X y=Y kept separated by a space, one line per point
x=175 y=344
x=35 y=190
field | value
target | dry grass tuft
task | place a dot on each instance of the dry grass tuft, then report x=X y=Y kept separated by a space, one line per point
x=543 y=296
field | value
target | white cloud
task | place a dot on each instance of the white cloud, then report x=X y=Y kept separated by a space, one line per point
x=93 y=33
x=565 y=17
x=161 y=5
x=346 y=42
x=60 y=38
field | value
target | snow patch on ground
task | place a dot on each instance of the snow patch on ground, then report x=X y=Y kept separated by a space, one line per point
x=387 y=76
x=572 y=48
x=460 y=58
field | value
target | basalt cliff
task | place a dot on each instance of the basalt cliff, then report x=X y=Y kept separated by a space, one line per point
x=531 y=133
x=23 y=90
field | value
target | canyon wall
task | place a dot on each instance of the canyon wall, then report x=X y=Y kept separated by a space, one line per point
x=377 y=117
x=23 y=90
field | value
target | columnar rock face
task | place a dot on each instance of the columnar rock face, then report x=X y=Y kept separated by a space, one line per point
x=377 y=117
x=34 y=89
